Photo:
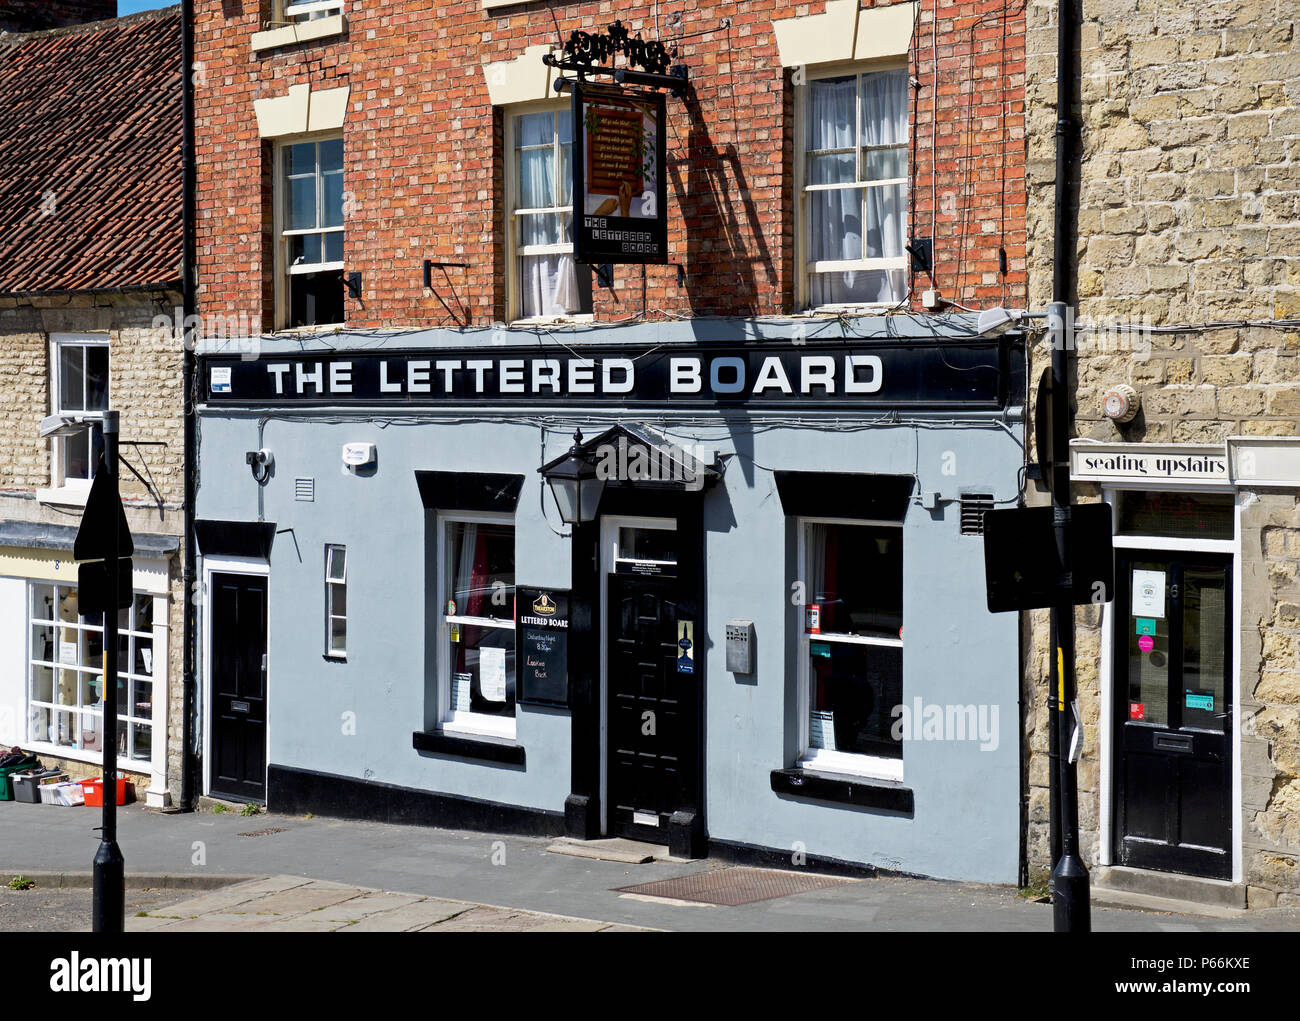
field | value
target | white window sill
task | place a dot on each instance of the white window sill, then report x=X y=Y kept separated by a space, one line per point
x=471 y=725
x=551 y=320
x=299 y=32
x=65 y=496
x=292 y=332
x=866 y=767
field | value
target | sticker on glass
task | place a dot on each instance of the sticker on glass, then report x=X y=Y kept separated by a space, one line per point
x=1204 y=702
x=460 y=684
x=1137 y=711
x=1145 y=626
x=1146 y=643
x=686 y=647
x=1148 y=594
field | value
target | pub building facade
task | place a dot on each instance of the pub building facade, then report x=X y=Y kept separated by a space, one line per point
x=594 y=464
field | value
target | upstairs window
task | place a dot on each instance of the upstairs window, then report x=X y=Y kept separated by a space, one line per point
x=548 y=283
x=311 y=232
x=854 y=188
x=80 y=389
x=310 y=10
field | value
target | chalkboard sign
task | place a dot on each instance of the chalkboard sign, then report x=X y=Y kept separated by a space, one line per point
x=542 y=645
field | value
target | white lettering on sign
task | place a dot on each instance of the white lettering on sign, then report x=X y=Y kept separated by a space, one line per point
x=341 y=377
x=684 y=375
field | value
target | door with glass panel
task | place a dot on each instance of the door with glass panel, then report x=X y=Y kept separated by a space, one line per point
x=1173 y=702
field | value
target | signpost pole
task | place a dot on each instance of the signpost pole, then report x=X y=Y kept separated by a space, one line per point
x=109 y=910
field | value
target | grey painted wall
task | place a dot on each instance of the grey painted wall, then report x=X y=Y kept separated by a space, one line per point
x=966 y=820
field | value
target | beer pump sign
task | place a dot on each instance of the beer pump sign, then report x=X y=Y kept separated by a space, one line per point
x=619 y=176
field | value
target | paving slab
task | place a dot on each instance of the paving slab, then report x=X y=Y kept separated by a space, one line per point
x=410 y=918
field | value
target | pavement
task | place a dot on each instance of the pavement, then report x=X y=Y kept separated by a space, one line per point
x=223 y=871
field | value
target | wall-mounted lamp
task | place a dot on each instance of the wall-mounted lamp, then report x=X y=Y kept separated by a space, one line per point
x=575 y=484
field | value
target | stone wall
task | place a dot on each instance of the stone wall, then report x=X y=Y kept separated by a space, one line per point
x=1188 y=215
x=145 y=386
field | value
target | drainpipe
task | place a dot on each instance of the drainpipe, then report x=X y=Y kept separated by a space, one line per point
x=189 y=304
x=1070 y=899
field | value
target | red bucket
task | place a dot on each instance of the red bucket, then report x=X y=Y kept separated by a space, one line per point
x=94 y=791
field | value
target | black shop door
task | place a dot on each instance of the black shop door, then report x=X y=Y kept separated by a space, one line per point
x=239 y=686
x=651 y=707
x=1173 y=734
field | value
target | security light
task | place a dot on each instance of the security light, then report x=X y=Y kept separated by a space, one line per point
x=65 y=425
x=993 y=322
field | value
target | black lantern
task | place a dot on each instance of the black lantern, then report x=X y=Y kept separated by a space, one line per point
x=575 y=484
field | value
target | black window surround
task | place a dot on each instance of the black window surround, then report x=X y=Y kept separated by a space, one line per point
x=469 y=491
x=827 y=494
x=845 y=790
x=466 y=746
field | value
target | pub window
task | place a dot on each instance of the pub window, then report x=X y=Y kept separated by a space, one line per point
x=547 y=282
x=309 y=10
x=80 y=389
x=851 y=645
x=477 y=611
x=336 y=601
x=311 y=232
x=854 y=188
x=66 y=674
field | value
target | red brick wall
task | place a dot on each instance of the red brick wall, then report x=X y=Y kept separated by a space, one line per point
x=33 y=15
x=422 y=154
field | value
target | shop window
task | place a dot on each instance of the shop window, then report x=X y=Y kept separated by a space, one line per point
x=310 y=180
x=336 y=601
x=65 y=674
x=547 y=282
x=309 y=10
x=854 y=188
x=79 y=379
x=477 y=606
x=851 y=646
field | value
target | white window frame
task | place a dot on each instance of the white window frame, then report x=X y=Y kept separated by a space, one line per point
x=77 y=488
x=877 y=767
x=158 y=680
x=299 y=11
x=331 y=586
x=451 y=720
x=515 y=251
x=802 y=190
x=283 y=270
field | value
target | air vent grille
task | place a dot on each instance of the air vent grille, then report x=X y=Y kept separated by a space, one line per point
x=973 y=506
x=305 y=489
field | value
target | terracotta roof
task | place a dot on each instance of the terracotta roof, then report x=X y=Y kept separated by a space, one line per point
x=90 y=156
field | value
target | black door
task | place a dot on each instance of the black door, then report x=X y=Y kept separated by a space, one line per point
x=1173 y=733
x=239 y=686
x=650 y=733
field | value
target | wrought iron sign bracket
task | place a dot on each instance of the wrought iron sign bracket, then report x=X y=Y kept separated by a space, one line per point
x=586 y=54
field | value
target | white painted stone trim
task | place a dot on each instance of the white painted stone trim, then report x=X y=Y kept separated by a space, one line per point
x=522 y=80
x=1257 y=461
x=846 y=33
x=299 y=32
x=302 y=110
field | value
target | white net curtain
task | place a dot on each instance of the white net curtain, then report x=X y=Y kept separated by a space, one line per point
x=856 y=185
x=548 y=281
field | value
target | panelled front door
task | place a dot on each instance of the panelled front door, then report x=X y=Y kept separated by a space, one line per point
x=238 y=659
x=651 y=683
x=1173 y=692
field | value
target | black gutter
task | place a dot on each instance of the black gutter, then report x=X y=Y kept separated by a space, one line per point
x=63 y=292
x=189 y=304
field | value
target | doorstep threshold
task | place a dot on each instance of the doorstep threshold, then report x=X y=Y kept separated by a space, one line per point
x=619 y=849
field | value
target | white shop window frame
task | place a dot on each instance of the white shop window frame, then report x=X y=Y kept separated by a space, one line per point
x=515 y=251
x=450 y=720
x=282 y=269
x=156 y=765
x=876 y=767
x=805 y=270
x=62 y=489
x=332 y=585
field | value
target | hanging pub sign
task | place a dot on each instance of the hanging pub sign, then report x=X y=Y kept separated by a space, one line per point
x=619 y=188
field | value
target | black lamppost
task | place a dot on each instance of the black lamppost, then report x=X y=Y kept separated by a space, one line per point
x=100 y=536
x=575 y=484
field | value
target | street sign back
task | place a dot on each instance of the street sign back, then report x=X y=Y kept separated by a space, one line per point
x=103 y=512
x=92 y=586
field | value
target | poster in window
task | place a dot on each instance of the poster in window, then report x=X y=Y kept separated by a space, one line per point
x=542 y=645
x=619 y=188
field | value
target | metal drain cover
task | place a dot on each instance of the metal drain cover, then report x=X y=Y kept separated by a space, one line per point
x=734 y=886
